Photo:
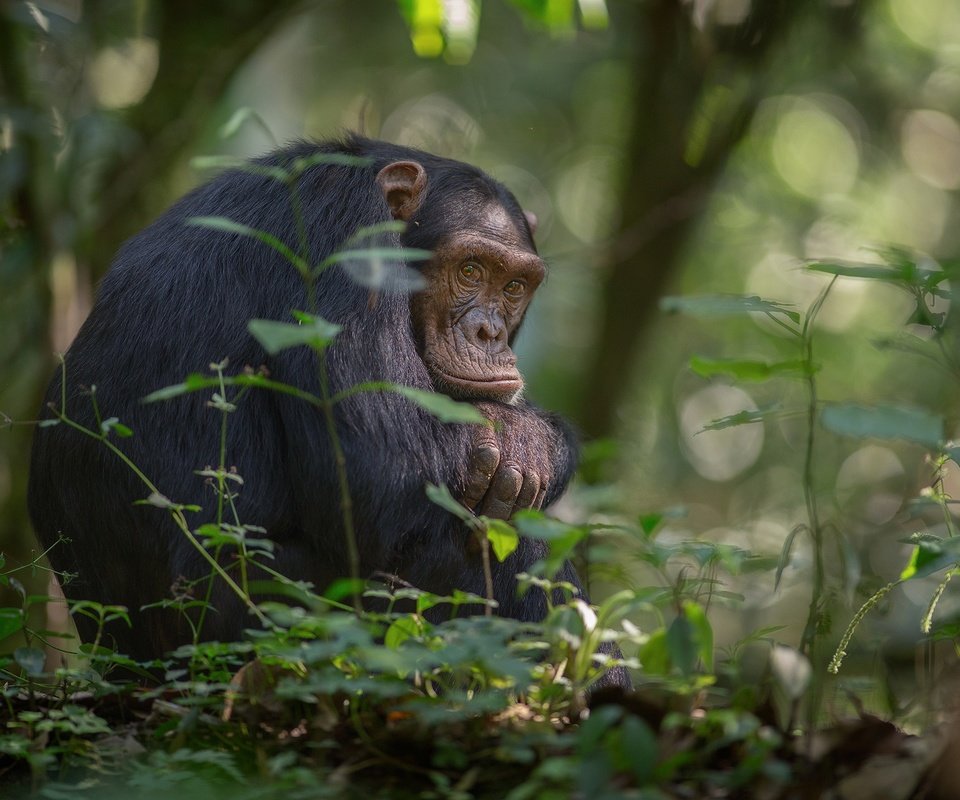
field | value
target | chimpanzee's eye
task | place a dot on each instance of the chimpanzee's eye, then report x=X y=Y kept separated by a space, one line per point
x=515 y=289
x=470 y=271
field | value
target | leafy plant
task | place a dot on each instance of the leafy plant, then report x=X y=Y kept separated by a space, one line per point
x=927 y=284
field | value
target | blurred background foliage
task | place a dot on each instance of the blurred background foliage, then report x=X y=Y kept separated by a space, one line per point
x=667 y=146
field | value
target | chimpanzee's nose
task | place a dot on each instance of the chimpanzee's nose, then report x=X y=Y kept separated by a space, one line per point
x=487 y=330
x=492 y=330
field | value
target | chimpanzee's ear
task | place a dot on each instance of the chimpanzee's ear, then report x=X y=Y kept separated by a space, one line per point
x=531 y=221
x=404 y=185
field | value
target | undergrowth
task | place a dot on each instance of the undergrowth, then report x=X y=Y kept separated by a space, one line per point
x=325 y=697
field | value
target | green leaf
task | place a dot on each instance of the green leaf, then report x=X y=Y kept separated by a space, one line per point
x=276 y=336
x=884 y=422
x=649 y=523
x=11 y=621
x=702 y=632
x=239 y=117
x=113 y=424
x=785 y=553
x=400 y=630
x=343 y=588
x=594 y=730
x=681 y=646
x=640 y=748
x=439 y=405
x=654 y=654
x=852 y=269
x=368 y=232
x=502 y=537
x=742 y=418
x=229 y=226
x=31 y=659
x=217 y=162
x=379 y=276
x=746 y=370
x=726 y=305
x=196 y=382
x=399 y=253
x=931 y=554
x=300 y=165
x=381 y=268
x=442 y=497
x=192 y=383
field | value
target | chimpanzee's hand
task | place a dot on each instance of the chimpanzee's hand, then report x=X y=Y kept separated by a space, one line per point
x=512 y=467
x=497 y=484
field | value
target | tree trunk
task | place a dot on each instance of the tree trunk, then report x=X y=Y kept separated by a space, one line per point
x=696 y=94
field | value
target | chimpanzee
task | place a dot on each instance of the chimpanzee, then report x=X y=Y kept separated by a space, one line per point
x=179 y=296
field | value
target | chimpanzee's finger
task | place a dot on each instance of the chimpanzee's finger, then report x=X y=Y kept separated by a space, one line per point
x=502 y=494
x=481 y=466
x=541 y=496
x=528 y=492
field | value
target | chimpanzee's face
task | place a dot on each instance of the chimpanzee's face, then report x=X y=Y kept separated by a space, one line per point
x=479 y=284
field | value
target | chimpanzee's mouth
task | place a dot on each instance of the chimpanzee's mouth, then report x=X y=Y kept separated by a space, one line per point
x=500 y=385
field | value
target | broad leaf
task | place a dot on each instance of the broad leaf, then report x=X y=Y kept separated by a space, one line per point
x=11 y=621
x=654 y=654
x=398 y=253
x=726 y=305
x=400 y=630
x=681 y=645
x=502 y=537
x=746 y=370
x=31 y=659
x=884 y=422
x=276 y=336
x=442 y=497
x=381 y=268
x=702 y=632
x=640 y=748
x=385 y=276
x=439 y=405
x=229 y=226
x=931 y=554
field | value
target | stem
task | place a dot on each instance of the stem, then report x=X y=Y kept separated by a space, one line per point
x=327 y=402
x=340 y=461
x=221 y=488
x=177 y=515
x=487 y=571
x=808 y=639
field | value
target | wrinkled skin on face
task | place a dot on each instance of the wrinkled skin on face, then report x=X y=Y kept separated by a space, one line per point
x=479 y=283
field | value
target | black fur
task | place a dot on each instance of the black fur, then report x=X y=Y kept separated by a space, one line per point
x=179 y=297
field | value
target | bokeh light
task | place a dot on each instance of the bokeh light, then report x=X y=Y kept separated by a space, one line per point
x=121 y=75
x=929 y=23
x=871 y=484
x=814 y=152
x=719 y=455
x=930 y=142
